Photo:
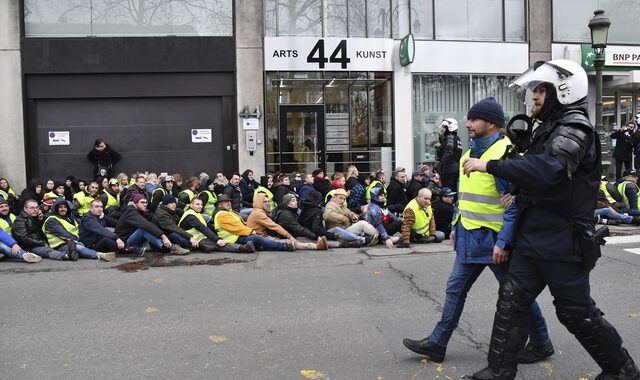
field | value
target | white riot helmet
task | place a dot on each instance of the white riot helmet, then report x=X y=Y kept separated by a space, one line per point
x=450 y=124
x=568 y=78
x=638 y=118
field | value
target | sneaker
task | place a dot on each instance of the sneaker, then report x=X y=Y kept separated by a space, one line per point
x=247 y=248
x=427 y=348
x=289 y=246
x=31 y=257
x=138 y=251
x=178 y=250
x=106 y=256
x=532 y=354
x=72 y=254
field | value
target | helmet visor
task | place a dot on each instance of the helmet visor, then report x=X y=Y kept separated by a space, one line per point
x=541 y=72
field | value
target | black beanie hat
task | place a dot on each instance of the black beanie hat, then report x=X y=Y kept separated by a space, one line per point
x=487 y=109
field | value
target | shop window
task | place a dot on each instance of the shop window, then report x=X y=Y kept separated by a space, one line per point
x=609 y=116
x=381 y=116
x=300 y=18
x=126 y=18
x=378 y=19
x=469 y=19
x=357 y=18
x=514 y=22
x=626 y=109
x=336 y=22
x=571 y=17
x=422 y=19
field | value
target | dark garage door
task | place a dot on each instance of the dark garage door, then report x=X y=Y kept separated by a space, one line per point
x=152 y=134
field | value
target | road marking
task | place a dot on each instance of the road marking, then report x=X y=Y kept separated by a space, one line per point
x=623 y=239
x=633 y=250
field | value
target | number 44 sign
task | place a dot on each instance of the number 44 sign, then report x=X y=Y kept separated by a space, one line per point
x=331 y=54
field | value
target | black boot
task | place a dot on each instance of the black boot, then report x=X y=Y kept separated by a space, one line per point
x=207 y=246
x=427 y=348
x=628 y=372
x=532 y=354
x=487 y=374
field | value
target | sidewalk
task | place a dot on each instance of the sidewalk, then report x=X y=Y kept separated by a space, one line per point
x=622 y=230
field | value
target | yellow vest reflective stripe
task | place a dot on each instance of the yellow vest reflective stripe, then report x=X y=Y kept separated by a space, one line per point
x=367 y=193
x=621 y=189
x=4 y=195
x=5 y=225
x=83 y=199
x=329 y=195
x=111 y=200
x=422 y=217
x=55 y=241
x=478 y=197
x=224 y=234
x=210 y=206
x=189 y=193
x=603 y=187
x=160 y=189
x=199 y=236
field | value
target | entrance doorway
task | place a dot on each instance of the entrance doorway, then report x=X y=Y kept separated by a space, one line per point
x=302 y=143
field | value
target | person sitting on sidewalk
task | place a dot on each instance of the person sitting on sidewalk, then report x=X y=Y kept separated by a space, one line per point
x=628 y=188
x=193 y=222
x=82 y=198
x=312 y=218
x=62 y=232
x=134 y=228
x=27 y=230
x=110 y=199
x=419 y=225
x=608 y=213
x=385 y=222
x=338 y=218
x=287 y=217
x=231 y=228
x=8 y=245
x=263 y=225
x=94 y=233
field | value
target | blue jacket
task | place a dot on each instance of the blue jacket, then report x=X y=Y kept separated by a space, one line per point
x=374 y=217
x=93 y=229
x=6 y=238
x=476 y=246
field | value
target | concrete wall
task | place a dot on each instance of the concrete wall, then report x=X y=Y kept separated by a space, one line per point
x=250 y=87
x=539 y=12
x=12 y=153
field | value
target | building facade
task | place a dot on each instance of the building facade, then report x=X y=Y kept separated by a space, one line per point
x=277 y=85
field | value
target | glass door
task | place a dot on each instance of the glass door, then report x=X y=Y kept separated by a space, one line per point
x=302 y=145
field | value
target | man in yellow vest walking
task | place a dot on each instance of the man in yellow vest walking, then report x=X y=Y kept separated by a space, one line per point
x=481 y=232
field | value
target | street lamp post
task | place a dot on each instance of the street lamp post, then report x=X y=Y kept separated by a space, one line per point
x=599 y=26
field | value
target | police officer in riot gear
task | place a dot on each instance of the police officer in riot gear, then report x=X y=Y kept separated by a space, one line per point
x=449 y=153
x=555 y=243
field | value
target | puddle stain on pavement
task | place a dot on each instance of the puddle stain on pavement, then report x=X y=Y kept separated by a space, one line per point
x=161 y=261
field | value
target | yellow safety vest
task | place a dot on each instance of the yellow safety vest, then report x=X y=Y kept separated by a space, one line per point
x=478 y=197
x=367 y=193
x=161 y=189
x=199 y=236
x=329 y=195
x=55 y=241
x=603 y=187
x=423 y=217
x=224 y=234
x=4 y=195
x=189 y=193
x=622 y=187
x=83 y=199
x=51 y=195
x=210 y=205
x=5 y=225
x=111 y=200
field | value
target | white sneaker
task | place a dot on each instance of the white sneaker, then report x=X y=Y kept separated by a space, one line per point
x=106 y=256
x=31 y=257
x=1 y=255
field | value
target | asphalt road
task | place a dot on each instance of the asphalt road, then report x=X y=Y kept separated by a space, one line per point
x=340 y=314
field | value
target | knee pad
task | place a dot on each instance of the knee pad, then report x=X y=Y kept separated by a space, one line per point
x=512 y=298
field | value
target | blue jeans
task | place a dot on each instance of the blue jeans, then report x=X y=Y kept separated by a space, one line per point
x=6 y=250
x=182 y=241
x=84 y=252
x=346 y=235
x=608 y=212
x=138 y=238
x=460 y=281
x=262 y=242
x=47 y=252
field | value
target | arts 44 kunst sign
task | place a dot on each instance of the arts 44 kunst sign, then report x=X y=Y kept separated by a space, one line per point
x=328 y=54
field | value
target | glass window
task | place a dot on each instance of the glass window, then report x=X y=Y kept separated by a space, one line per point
x=571 y=17
x=357 y=18
x=498 y=87
x=626 y=108
x=128 y=18
x=469 y=19
x=381 y=115
x=336 y=21
x=57 y=18
x=359 y=115
x=378 y=19
x=609 y=111
x=400 y=18
x=300 y=18
x=514 y=23
x=270 y=26
x=422 y=19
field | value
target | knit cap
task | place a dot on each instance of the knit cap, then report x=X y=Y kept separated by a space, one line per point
x=166 y=199
x=137 y=198
x=287 y=198
x=489 y=110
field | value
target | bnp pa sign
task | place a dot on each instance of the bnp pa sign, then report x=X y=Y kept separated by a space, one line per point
x=616 y=57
